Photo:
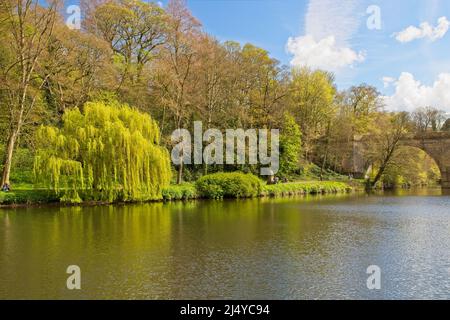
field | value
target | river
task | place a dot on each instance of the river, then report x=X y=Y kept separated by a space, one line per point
x=297 y=248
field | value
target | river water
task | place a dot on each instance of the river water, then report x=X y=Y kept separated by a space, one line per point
x=297 y=248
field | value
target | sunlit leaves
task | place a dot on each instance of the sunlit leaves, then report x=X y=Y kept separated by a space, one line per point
x=108 y=152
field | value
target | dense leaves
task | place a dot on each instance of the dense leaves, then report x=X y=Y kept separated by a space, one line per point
x=229 y=185
x=110 y=152
x=290 y=145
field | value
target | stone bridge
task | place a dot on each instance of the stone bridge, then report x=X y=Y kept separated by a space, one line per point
x=437 y=146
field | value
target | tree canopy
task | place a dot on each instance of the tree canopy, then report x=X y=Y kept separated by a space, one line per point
x=108 y=152
x=160 y=61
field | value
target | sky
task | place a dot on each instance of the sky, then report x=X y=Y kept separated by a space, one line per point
x=402 y=47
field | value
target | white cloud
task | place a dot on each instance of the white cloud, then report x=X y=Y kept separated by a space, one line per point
x=411 y=94
x=387 y=81
x=425 y=30
x=329 y=28
x=323 y=54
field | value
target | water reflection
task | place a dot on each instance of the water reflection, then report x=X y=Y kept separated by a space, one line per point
x=316 y=247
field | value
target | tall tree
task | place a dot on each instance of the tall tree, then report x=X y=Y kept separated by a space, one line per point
x=428 y=118
x=361 y=103
x=77 y=66
x=136 y=32
x=111 y=151
x=446 y=126
x=174 y=80
x=386 y=143
x=312 y=95
x=265 y=87
x=212 y=76
x=355 y=119
x=290 y=145
x=29 y=28
x=212 y=80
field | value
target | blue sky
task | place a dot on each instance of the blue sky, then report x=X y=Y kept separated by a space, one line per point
x=333 y=35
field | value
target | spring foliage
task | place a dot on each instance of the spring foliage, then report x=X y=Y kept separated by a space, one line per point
x=290 y=145
x=107 y=153
x=185 y=191
x=229 y=185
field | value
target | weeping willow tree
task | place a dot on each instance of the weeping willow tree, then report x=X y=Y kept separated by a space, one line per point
x=109 y=152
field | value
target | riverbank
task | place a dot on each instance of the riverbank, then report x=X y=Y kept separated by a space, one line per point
x=27 y=196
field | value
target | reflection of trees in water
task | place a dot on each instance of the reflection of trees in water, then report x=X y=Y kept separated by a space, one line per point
x=309 y=247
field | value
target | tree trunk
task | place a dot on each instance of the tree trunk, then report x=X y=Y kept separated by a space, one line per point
x=8 y=158
x=383 y=166
x=325 y=157
x=378 y=177
x=386 y=160
x=180 y=173
x=322 y=168
x=206 y=160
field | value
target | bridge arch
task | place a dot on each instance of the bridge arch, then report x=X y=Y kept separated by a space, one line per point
x=437 y=146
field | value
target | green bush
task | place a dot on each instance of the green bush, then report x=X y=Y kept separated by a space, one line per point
x=301 y=188
x=229 y=185
x=186 y=191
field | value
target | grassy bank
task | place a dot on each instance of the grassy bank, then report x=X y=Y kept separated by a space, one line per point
x=189 y=191
x=307 y=187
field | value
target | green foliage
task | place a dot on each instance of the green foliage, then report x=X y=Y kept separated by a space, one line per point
x=22 y=166
x=185 y=191
x=24 y=197
x=290 y=145
x=108 y=153
x=359 y=107
x=410 y=167
x=312 y=97
x=311 y=172
x=302 y=188
x=229 y=185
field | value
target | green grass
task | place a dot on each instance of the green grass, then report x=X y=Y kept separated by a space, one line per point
x=308 y=187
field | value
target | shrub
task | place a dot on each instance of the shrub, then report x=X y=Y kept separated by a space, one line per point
x=185 y=191
x=229 y=185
